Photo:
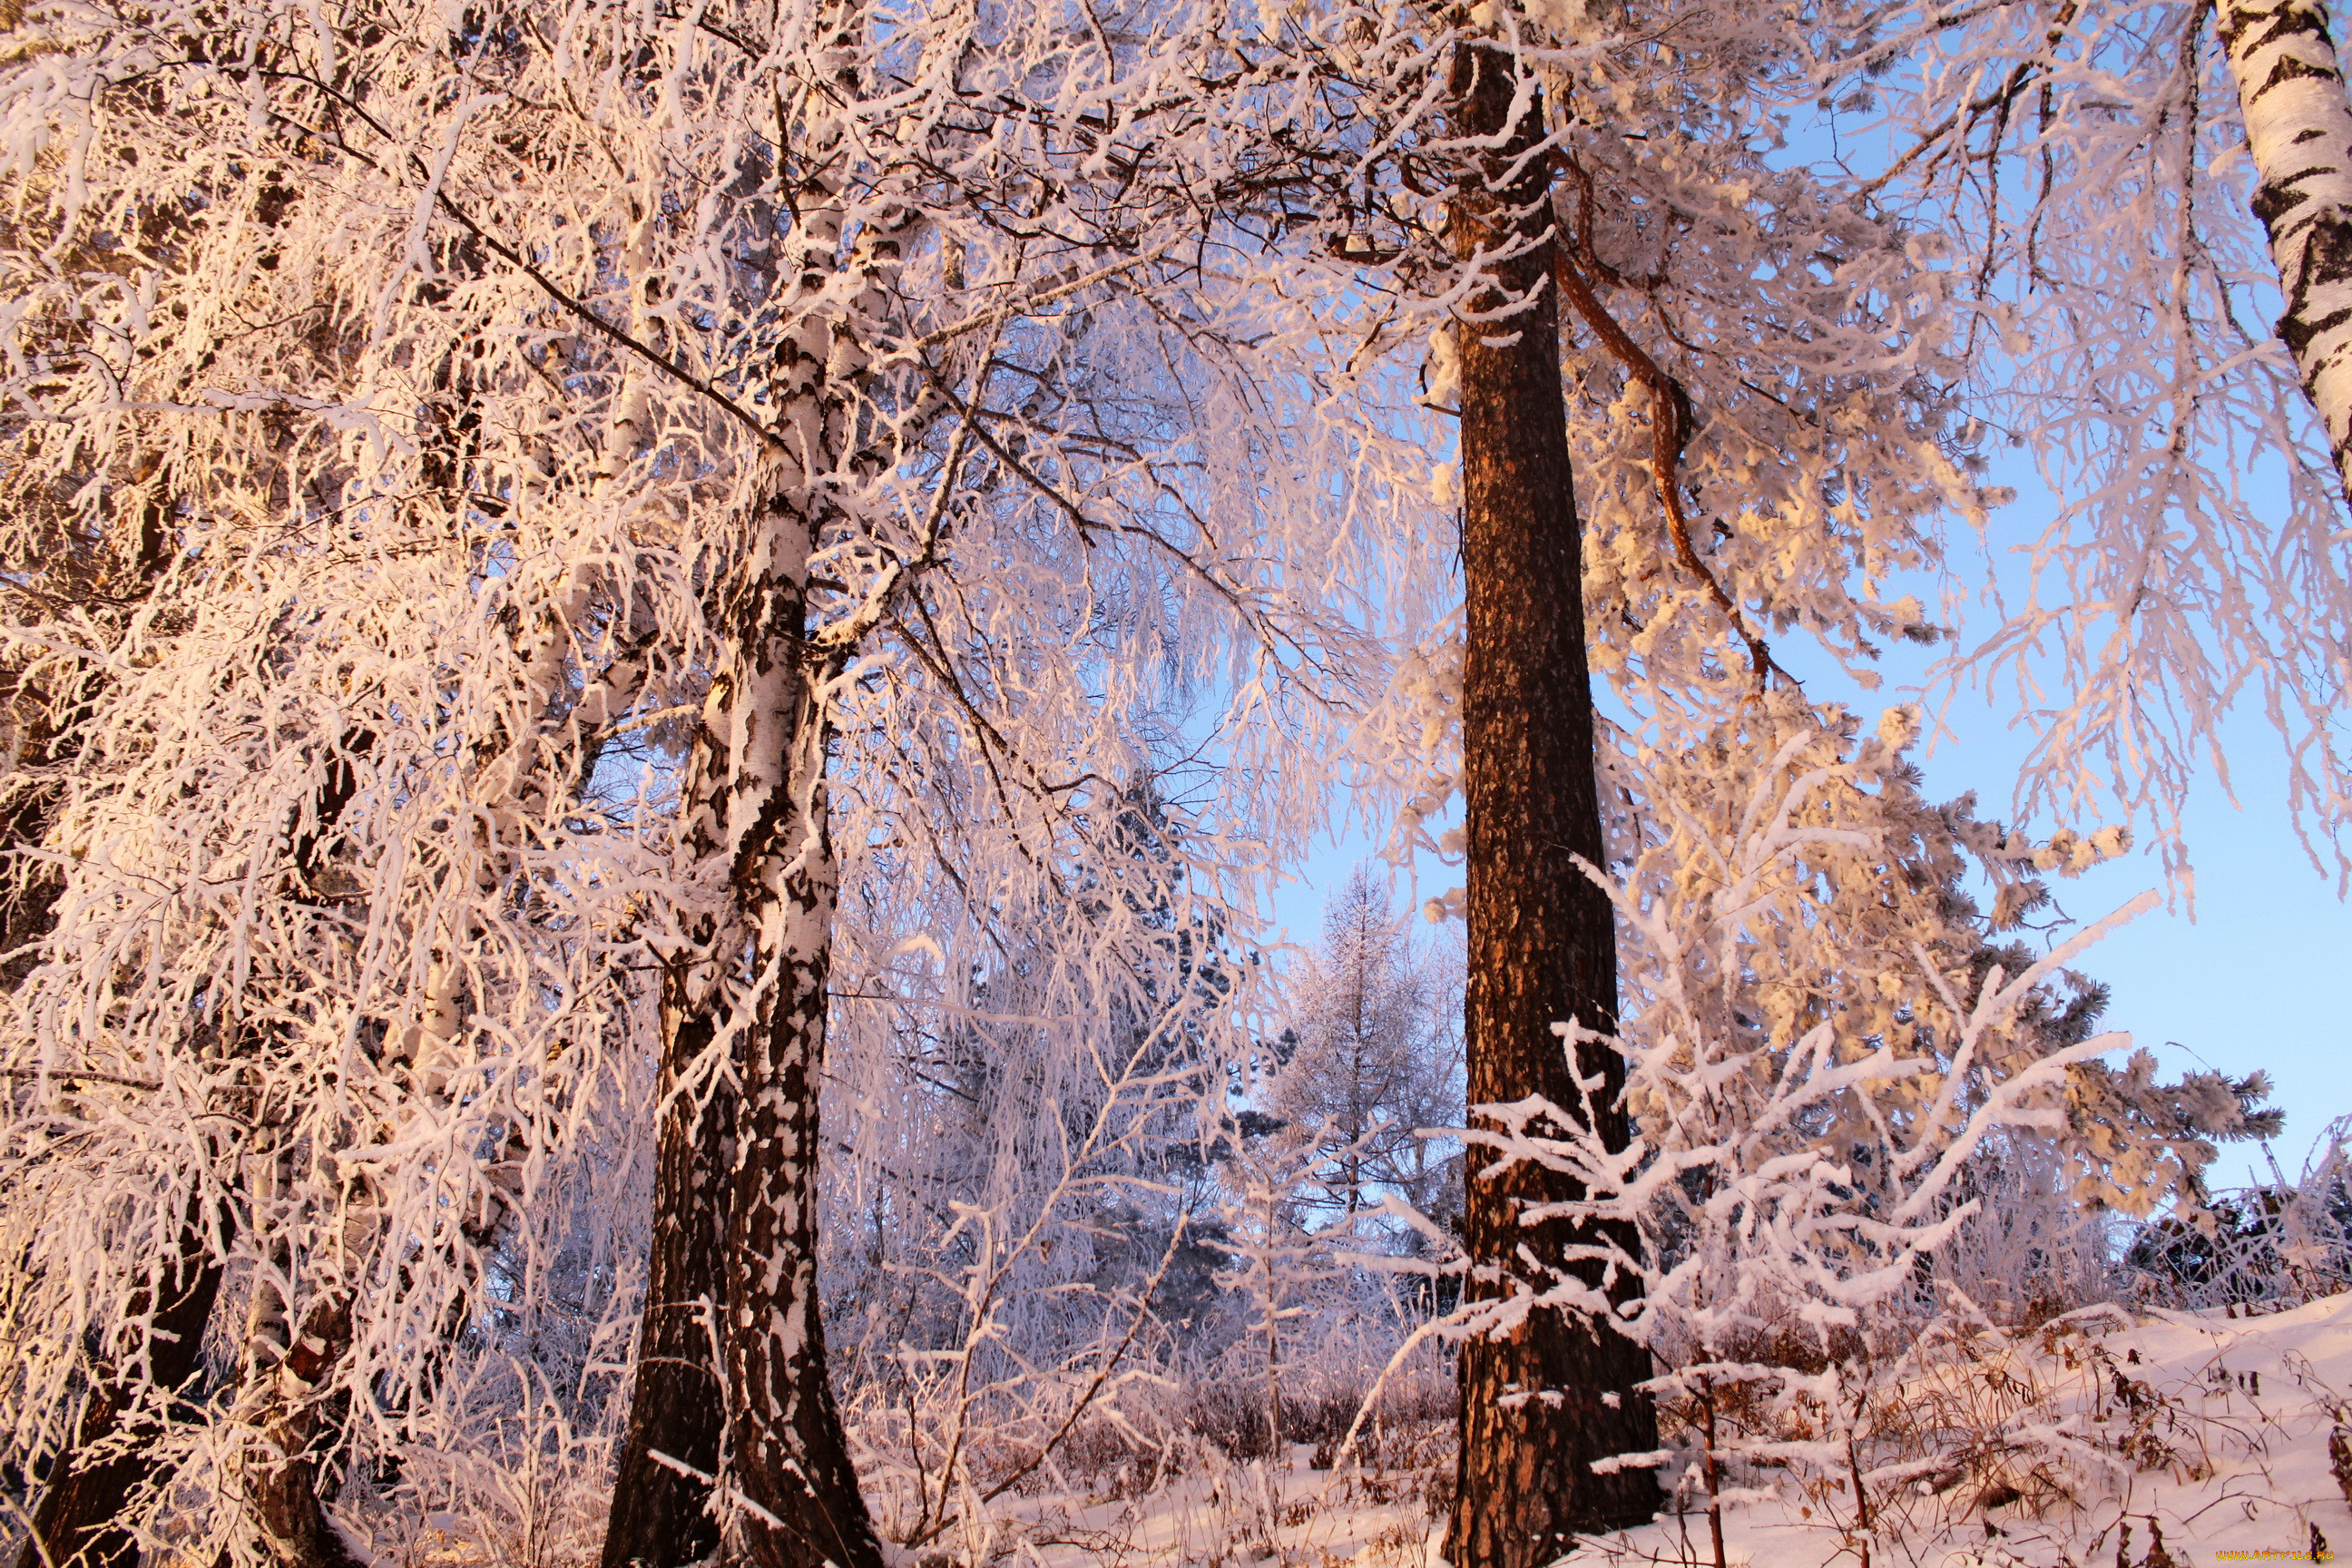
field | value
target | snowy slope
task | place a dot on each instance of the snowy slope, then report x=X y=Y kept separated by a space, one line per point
x=2207 y=1437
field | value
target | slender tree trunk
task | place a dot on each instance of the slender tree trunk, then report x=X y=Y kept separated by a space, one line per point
x=278 y=1481
x=661 y=1514
x=799 y=1506
x=82 y=1510
x=1865 y=1523
x=1712 y=1462
x=287 y=1359
x=1539 y=1403
x=1272 y=1336
x=2299 y=129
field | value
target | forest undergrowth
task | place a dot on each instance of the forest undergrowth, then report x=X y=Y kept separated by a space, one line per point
x=2199 y=1411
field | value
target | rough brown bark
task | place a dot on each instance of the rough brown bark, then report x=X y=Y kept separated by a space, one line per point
x=661 y=1498
x=1535 y=1404
x=281 y=1493
x=78 y=1518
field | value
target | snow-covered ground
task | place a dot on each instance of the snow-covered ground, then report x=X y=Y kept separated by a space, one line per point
x=2166 y=1436
x=2147 y=1440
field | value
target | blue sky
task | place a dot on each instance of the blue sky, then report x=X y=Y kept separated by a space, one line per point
x=2248 y=975
x=2243 y=969
x=2254 y=981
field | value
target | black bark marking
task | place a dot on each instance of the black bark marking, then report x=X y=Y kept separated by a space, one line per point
x=2327 y=254
x=2272 y=203
x=2294 y=67
x=735 y=1198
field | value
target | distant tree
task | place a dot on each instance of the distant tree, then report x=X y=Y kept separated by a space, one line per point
x=1374 y=1054
x=1281 y=1263
x=2290 y=1238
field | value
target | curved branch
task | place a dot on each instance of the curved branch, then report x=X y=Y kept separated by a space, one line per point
x=1670 y=430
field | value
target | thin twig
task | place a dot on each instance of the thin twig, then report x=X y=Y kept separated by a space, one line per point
x=30 y=1074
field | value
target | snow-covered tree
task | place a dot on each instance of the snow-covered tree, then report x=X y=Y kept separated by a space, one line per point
x=2086 y=180
x=589 y=593
x=1832 y=1077
x=1374 y=1054
x=712 y=464
x=1281 y=1260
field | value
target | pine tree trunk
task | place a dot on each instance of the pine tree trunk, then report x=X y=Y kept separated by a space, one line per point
x=81 y=1510
x=2299 y=129
x=1542 y=945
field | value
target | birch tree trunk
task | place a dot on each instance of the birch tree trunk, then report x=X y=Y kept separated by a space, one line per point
x=278 y=1479
x=1541 y=1402
x=732 y=1361
x=2299 y=129
x=661 y=1496
x=731 y=1388
x=796 y=1502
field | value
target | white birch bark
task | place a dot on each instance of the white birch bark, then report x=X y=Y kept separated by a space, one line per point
x=745 y=1002
x=791 y=1495
x=2299 y=129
